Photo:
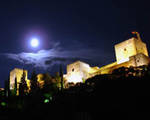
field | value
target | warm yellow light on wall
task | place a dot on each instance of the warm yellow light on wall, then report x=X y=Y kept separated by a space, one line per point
x=123 y=60
x=75 y=78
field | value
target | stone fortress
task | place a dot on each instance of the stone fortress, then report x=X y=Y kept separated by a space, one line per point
x=17 y=74
x=131 y=52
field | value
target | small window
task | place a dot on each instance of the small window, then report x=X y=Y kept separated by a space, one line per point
x=125 y=49
x=73 y=70
x=137 y=61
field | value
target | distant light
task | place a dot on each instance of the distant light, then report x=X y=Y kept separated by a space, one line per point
x=34 y=42
x=3 y=103
x=46 y=101
x=50 y=98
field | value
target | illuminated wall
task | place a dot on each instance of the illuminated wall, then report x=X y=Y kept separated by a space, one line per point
x=141 y=47
x=17 y=73
x=124 y=50
x=40 y=80
x=132 y=52
x=139 y=60
x=77 y=71
x=129 y=48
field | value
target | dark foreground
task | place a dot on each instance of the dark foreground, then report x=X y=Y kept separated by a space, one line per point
x=100 y=97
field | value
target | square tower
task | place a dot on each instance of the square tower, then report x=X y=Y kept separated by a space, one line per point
x=77 y=71
x=129 y=48
x=17 y=74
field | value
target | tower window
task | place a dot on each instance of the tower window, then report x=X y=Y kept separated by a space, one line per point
x=73 y=70
x=125 y=49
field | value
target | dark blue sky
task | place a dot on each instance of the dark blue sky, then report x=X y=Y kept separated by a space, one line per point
x=68 y=30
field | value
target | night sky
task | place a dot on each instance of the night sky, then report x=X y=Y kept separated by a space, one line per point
x=70 y=30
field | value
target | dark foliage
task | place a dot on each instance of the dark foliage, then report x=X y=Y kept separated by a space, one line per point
x=23 y=85
x=7 y=88
x=15 y=87
x=61 y=76
x=34 y=86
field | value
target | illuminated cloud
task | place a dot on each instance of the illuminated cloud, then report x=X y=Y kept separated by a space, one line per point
x=56 y=55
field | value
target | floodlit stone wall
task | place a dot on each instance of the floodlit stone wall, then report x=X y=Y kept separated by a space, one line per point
x=17 y=73
x=141 y=47
x=132 y=52
x=77 y=72
x=129 y=48
x=124 y=50
x=139 y=60
x=40 y=80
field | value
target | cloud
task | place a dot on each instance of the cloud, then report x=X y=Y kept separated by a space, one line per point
x=56 y=55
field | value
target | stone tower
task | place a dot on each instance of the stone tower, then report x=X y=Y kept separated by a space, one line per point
x=129 y=48
x=77 y=71
x=17 y=74
x=132 y=52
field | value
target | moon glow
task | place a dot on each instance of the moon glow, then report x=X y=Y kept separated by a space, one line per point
x=34 y=42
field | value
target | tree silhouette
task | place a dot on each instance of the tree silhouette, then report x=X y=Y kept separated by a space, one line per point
x=58 y=80
x=47 y=79
x=7 y=88
x=23 y=85
x=14 y=91
x=61 y=75
x=50 y=85
x=15 y=86
x=33 y=82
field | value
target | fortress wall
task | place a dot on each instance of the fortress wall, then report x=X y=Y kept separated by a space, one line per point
x=132 y=52
x=85 y=68
x=141 y=47
x=77 y=71
x=74 y=67
x=16 y=73
x=139 y=60
x=124 y=50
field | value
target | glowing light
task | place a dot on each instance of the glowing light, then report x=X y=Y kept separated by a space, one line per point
x=34 y=42
x=123 y=60
x=46 y=101
x=134 y=32
x=50 y=98
x=3 y=103
x=76 y=77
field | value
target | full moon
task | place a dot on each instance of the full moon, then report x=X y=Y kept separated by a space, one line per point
x=34 y=42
